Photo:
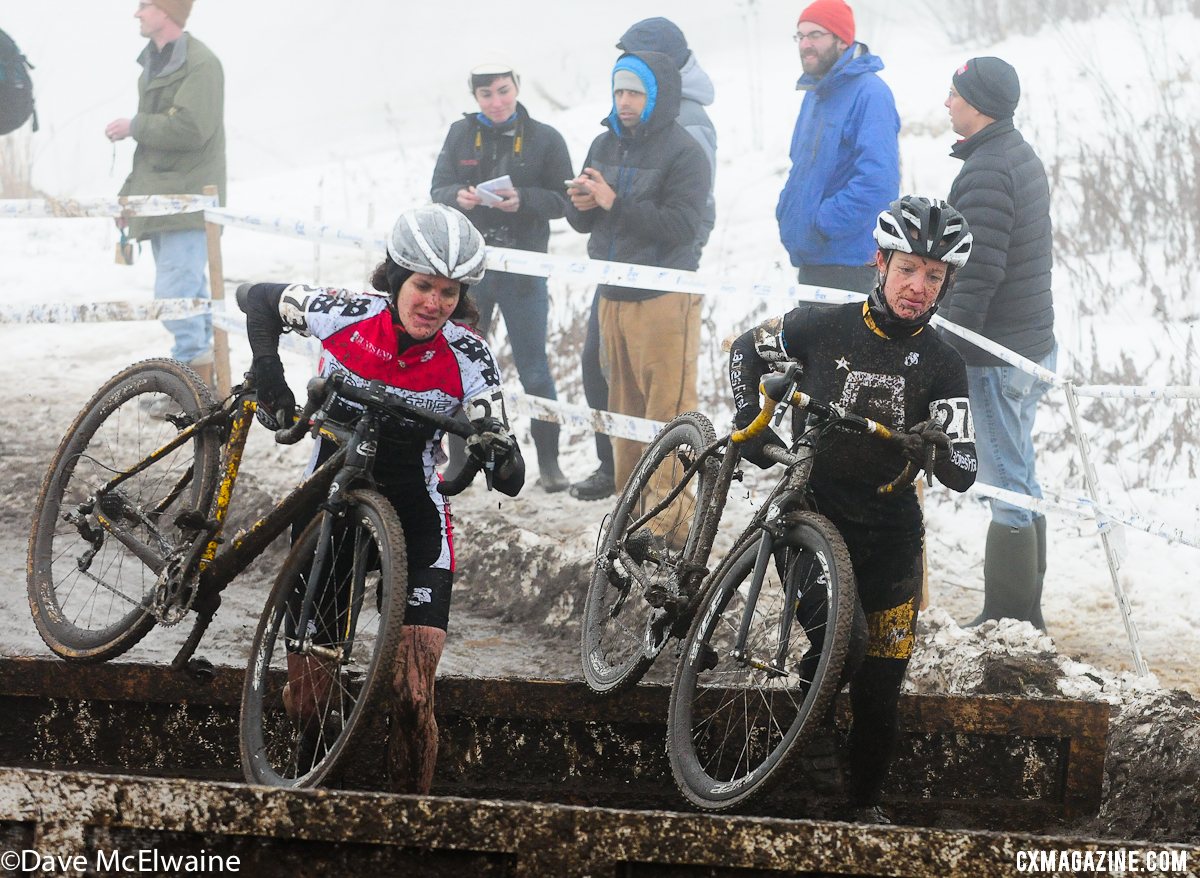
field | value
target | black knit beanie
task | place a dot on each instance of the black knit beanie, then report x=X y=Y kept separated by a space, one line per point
x=990 y=85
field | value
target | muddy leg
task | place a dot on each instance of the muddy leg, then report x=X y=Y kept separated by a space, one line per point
x=412 y=740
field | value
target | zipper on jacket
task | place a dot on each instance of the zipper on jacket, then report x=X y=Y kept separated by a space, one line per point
x=622 y=155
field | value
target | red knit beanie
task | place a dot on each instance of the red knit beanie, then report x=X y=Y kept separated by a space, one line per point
x=833 y=15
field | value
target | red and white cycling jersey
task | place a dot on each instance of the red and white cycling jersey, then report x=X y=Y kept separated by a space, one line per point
x=454 y=370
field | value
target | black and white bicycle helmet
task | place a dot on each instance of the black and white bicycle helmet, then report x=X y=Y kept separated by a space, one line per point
x=924 y=227
x=438 y=240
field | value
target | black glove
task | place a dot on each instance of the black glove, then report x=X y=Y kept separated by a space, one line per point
x=276 y=404
x=922 y=442
x=493 y=438
x=752 y=449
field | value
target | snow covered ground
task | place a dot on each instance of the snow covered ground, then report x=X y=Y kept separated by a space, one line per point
x=342 y=110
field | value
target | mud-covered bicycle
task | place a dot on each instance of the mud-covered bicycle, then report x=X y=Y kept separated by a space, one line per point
x=127 y=534
x=765 y=636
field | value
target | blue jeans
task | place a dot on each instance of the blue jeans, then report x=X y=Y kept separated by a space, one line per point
x=1004 y=403
x=524 y=302
x=180 y=258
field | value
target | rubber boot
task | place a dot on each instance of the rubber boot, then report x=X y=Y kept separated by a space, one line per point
x=1035 y=609
x=1010 y=573
x=545 y=442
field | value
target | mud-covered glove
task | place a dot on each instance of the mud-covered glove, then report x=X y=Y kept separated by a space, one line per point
x=752 y=449
x=276 y=404
x=922 y=443
x=493 y=438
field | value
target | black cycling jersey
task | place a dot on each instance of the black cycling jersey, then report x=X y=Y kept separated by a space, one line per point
x=899 y=382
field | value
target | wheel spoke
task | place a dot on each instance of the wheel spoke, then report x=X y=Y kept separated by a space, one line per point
x=625 y=627
x=90 y=584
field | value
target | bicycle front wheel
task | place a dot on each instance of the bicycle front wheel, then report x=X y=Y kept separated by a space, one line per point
x=635 y=584
x=308 y=692
x=90 y=584
x=735 y=717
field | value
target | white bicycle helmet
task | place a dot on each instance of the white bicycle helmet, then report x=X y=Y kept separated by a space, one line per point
x=924 y=227
x=438 y=240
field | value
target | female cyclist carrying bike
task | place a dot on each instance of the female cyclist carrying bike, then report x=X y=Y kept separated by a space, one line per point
x=406 y=337
x=877 y=359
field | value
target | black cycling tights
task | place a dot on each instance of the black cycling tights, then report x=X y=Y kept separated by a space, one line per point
x=874 y=698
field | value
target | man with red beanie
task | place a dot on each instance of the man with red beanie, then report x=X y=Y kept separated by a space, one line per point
x=845 y=153
x=180 y=132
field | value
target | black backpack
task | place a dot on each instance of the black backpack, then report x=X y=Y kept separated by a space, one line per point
x=16 y=89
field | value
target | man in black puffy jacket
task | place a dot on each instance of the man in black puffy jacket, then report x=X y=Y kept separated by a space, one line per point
x=642 y=196
x=1003 y=293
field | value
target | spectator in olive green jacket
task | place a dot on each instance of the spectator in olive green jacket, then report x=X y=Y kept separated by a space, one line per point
x=180 y=134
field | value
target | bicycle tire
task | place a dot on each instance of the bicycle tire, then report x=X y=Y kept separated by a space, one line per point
x=621 y=632
x=731 y=726
x=97 y=610
x=276 y=749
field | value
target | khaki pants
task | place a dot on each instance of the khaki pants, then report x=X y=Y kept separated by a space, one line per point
x=649 y=351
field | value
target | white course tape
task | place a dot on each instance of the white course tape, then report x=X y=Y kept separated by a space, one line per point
x=621 y=274
x=126 y=206
x=615 y=425
x=103 y=312
x=306 y=229
x=1003 y=353
x=1105 y=516
x=647 y=277
x=1119 y=391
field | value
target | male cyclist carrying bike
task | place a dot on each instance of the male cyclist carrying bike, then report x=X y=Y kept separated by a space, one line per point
x=877 y=360
x=406 y=339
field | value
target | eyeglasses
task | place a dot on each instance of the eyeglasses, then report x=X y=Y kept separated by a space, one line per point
x=812 y=36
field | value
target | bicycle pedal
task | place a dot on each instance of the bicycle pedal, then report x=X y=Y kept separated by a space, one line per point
x=201 y=670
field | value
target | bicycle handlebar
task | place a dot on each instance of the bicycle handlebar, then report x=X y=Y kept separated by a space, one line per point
x=466 y=475
x=321 y=391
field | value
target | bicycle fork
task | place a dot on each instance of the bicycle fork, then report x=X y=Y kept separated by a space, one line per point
x=360 y=455
x=766 y=548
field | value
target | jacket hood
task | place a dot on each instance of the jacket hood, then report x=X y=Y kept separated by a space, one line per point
x=668 y=87
x=855 y=61
x=656 y=35
x=695 y=83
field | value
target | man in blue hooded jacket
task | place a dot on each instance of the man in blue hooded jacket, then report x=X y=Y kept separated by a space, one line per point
x=696 y=92
x=845 y=153
x=641 y=198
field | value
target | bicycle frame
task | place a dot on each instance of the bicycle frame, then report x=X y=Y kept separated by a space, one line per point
x=787 y=494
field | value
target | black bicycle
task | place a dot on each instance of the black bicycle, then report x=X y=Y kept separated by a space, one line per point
x=765 y=636
x=127 y=533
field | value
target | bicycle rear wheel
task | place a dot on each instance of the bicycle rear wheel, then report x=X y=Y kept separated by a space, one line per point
x=734 y=721
x=300 y=713
x=634 y=586
x=89 y=591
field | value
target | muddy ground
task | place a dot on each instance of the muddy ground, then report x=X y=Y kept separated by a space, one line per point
x=523 y=570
